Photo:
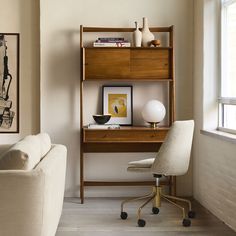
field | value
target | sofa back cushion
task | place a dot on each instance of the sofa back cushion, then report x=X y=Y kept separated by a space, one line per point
x=45 y=143
x=26 y=154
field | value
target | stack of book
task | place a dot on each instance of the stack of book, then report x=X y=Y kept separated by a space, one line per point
x=105 y=126
x=111 y=42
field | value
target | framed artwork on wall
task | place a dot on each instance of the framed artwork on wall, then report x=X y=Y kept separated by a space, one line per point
x=118 y=102
x=9 y=82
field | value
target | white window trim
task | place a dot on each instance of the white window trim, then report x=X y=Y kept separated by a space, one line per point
x=224 y=100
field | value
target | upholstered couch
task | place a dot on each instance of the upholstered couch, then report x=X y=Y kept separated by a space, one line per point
x=32 y=180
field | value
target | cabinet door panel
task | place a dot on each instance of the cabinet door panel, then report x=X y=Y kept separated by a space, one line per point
x=150 y=64
x=106 y=64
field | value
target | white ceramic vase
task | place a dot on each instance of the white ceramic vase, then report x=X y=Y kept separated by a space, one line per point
x=147 y=36
x=137 y=36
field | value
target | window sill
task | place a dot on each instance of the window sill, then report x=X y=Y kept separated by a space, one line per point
x=220 y=135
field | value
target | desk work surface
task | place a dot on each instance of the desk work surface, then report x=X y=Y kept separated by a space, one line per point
x=125 y=139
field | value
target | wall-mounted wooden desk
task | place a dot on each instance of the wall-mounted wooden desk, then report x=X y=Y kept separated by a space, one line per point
x=125 y=139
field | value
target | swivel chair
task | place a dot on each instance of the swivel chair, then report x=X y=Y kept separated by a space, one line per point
x=171 y=160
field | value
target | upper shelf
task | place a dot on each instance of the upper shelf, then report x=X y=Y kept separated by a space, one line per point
x=114 y=29
x=83 y=30
x=127 y=63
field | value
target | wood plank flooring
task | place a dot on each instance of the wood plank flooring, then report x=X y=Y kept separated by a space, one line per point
x=101 y=217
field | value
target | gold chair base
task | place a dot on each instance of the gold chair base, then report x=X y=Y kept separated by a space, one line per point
x=156 y=196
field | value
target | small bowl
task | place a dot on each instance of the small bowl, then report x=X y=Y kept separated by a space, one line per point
x=102 y=119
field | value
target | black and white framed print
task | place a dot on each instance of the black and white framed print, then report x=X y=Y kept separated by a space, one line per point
x=9 y=82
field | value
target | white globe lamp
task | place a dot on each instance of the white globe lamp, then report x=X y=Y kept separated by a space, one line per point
x=153 y=112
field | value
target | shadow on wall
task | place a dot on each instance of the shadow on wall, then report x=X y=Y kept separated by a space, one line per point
x=62 y=89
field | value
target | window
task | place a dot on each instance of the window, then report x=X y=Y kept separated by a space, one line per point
x=227 y=100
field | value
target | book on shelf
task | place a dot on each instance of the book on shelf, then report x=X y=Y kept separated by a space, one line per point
x=112 y=44
x=108 y=126
x=110 y=39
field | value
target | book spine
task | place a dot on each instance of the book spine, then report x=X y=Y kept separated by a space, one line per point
x=117 y=44
x=111 y=39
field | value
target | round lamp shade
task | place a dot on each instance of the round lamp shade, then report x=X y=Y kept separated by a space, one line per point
x=153 y=112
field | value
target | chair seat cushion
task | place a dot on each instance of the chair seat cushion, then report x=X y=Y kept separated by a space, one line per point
x=145 y=163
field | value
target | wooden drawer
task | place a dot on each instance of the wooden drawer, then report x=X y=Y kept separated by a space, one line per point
x=125 y=135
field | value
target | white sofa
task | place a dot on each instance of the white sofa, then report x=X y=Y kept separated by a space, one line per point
x=31 y=198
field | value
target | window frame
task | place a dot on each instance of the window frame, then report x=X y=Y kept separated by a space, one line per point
x=222 y=101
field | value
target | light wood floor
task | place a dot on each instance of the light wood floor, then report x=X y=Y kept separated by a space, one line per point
x=101 y=217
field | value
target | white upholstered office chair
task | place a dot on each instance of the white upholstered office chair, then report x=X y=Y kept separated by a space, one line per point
x=171 y=160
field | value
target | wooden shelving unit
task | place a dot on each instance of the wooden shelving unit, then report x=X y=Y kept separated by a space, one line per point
x=129 y=65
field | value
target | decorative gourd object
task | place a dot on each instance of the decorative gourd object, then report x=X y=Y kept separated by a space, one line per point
x=153 y=112
x=147 y=36
x=137 y=36
x=156 y=42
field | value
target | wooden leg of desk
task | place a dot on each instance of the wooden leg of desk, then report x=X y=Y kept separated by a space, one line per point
x=81 y=176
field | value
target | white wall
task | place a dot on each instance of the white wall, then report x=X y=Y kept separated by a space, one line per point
x=22 y=16
x=60 y=73
x=214 y=164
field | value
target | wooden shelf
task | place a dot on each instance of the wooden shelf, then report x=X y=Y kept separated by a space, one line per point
x=124 y=183
x=125 y=48
x=114 y=29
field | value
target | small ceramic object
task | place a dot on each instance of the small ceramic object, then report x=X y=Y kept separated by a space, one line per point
x=102 y=119
x=147 y=36
x=137 y=36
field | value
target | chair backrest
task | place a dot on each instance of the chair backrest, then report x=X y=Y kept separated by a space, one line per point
x=174 y=155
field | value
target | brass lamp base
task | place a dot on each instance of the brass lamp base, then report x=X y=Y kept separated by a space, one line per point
x=154 y=124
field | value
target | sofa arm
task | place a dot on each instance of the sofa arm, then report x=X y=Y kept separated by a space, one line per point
x=21 y=200
x=31 y=201
x=54 y=168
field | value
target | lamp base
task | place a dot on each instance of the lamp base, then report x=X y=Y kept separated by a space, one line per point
x=154 y=124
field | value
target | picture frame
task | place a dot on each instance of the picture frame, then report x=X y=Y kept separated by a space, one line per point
x=118 y=101
x=9 y=82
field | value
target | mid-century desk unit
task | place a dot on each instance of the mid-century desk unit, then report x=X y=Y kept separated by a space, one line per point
x=127 y=64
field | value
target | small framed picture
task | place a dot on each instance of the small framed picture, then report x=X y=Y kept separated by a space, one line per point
x=9 y=82
x=118 y=101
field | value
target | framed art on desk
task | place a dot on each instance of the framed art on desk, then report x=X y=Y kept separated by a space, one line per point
x=118 y=101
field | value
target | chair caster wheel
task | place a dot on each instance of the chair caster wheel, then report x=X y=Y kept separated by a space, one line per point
x=155 y=210
x=186 y=222
x=141 y=223
x=191 y=214
x=123 y=215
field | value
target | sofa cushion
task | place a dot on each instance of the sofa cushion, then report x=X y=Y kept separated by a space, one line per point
x=23 y=155
x=45 y=143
